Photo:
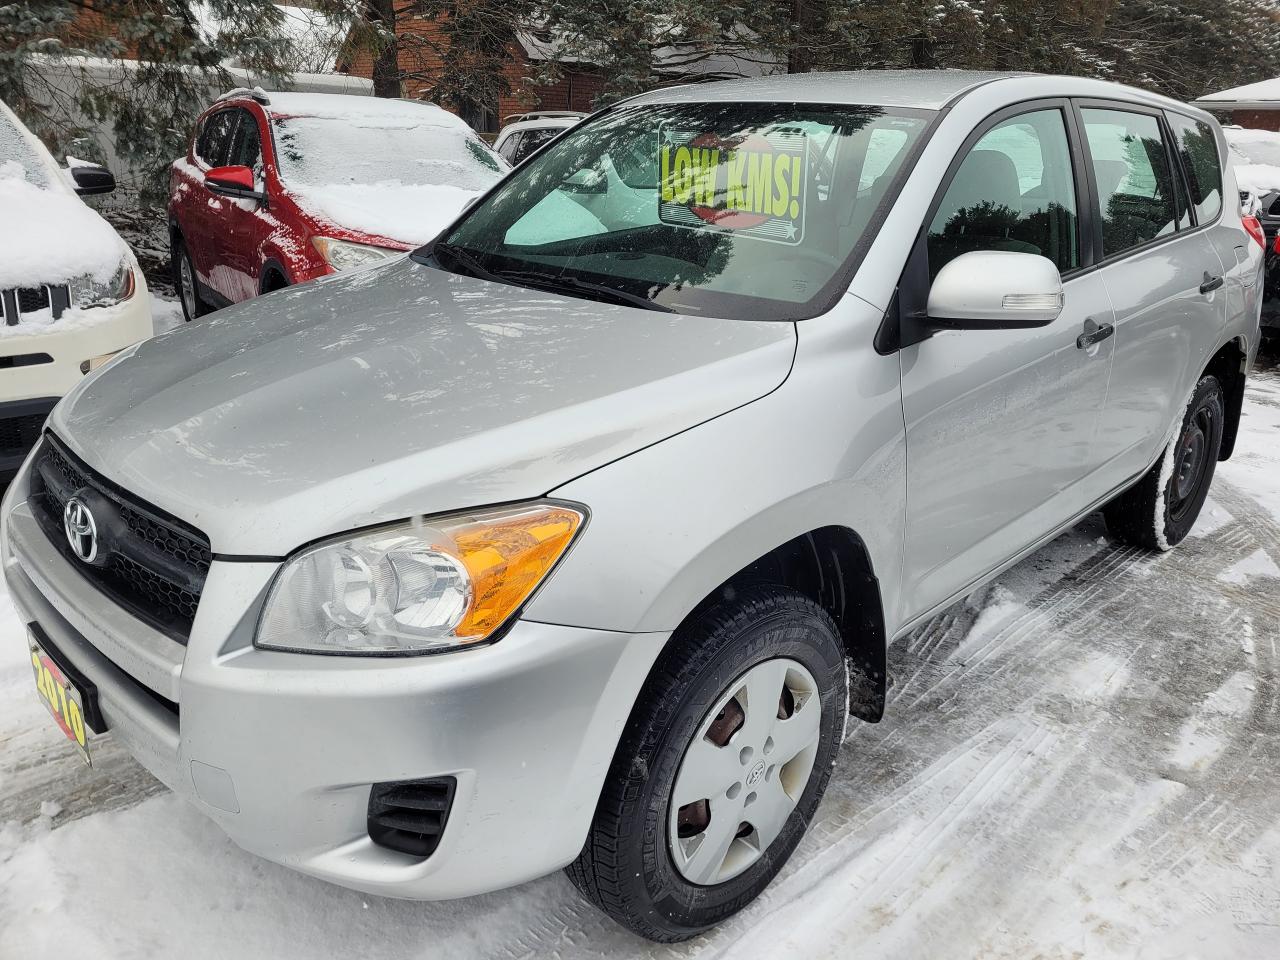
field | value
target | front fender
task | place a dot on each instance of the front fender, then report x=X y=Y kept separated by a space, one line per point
x=672 y=522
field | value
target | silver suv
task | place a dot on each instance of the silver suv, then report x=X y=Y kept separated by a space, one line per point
x=575 y=538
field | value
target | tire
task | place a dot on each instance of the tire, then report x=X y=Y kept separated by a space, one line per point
x=1162 y=508
x=184 y=281
x=763 y=637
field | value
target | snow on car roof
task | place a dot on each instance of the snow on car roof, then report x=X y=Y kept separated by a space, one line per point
x=362 y=111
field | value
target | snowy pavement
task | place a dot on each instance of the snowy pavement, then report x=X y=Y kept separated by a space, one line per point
x=1079 y=761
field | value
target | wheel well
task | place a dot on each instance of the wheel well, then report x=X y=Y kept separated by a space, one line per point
x=832 y=567
x=273 y=278
x=1228 y=365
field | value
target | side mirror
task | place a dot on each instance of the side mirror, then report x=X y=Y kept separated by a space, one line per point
x=90 y=179
x=586 y=182
x=996 y=290
x=235 y=182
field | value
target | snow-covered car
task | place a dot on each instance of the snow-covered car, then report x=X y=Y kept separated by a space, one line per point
x=71 y=293
x=575 y=541
x=281 y=188
x=526 y=132
x=1255 y=155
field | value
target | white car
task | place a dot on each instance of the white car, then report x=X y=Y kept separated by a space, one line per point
x=71 y=293
x=526 y=132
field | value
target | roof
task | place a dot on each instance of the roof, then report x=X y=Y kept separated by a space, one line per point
x=924 y=89
x=364 y=111
x=1263 y=95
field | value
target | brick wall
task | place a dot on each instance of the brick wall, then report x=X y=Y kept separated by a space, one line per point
x=420 y=43
x=1257 y=119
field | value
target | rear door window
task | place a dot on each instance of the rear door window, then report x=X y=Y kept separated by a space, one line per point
x=1198 y=150
x=1135 y=184
x=1015 y=190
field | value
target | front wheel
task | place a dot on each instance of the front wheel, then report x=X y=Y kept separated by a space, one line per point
x=723 y=762
x=184 y=278
x=1161 y=510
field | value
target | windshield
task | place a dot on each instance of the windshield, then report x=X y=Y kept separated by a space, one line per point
x=734 y=210
x=18 y=158
x=328 y=150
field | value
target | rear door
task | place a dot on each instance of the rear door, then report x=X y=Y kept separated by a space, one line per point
x=1000 y=423
x=1163 y=276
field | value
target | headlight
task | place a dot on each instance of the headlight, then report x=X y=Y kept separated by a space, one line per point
x=419 y=586
x=343 y=254
x=85 y=291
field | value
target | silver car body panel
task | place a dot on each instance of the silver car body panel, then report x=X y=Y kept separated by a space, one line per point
x=697 y=444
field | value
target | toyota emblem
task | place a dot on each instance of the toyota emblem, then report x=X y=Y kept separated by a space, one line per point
x=81 y=531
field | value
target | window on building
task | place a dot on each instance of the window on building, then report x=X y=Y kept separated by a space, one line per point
x=482 y=117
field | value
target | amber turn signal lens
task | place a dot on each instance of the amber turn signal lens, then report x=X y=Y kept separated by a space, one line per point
x=507 y=557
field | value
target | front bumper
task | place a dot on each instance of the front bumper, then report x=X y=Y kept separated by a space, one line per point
x=280 y=749
x=40 y=364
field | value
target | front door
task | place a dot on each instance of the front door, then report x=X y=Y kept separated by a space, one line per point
x=244 y=226
x=1000 y=424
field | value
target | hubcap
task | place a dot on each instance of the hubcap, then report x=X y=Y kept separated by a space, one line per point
x=744 y=772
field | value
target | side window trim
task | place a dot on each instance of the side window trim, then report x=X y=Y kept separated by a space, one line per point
x=1095 y=207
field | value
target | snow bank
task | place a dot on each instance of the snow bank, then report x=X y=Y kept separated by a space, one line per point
x=59 y=238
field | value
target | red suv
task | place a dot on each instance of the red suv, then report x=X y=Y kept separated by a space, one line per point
x=280 y=188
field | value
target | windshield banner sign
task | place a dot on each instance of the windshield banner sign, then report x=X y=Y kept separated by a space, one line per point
x=752 y=184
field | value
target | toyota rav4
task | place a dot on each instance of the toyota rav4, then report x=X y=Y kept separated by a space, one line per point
x=575 y=538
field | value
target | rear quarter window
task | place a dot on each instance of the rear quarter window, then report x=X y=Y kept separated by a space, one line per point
x=1198 y=149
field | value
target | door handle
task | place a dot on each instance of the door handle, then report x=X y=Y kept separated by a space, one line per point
x=1094 y=336
x=1210 y=283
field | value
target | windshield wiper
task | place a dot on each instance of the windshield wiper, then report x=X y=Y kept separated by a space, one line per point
x=560 y=283
x=468 y=260
x=547 y=282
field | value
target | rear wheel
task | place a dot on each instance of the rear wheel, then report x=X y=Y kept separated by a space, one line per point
x=1161 y=510
x=720 y=769
x=184 y=278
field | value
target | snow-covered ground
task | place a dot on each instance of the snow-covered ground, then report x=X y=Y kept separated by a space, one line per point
x=1079 y=761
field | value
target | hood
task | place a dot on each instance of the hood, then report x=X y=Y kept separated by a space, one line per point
x=411 y=214
x=60 y=238
x=400 y=390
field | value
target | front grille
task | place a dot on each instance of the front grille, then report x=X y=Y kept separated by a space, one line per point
x=19 y=434
x=151 y=564
x=410 y=815
x=32 y=299
x=14 y=303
